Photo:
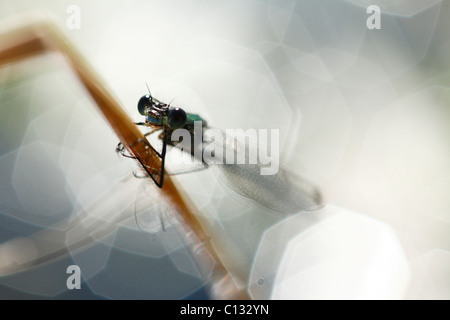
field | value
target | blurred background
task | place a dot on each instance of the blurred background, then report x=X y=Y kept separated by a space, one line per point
x=362 y=113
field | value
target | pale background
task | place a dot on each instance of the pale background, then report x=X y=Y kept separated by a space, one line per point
x=364 y=114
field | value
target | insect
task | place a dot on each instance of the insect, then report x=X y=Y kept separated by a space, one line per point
x=161 y=117
x=283 y=192
x=41 y=36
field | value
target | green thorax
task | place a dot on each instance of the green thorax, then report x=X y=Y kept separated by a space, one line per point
x=191 y=118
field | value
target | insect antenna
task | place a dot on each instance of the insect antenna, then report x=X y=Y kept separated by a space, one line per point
x=148 y=88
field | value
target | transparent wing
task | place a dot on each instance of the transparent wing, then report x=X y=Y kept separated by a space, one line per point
x=282 y=192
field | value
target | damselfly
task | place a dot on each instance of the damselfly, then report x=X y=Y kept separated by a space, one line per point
x=161 y=117
x=40 y=37
x=282 y=192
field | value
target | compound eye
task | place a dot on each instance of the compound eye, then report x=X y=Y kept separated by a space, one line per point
x=176 y=118
x=144 y=103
